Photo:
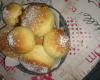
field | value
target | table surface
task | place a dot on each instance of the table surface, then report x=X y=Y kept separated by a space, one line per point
x=83 y=20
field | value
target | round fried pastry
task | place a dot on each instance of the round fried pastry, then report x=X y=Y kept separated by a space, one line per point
x=39 y=18
x=11 y=13
x=39 y=57
x=56 y=43
x=21 y=40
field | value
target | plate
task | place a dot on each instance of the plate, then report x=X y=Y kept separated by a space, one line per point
x=62 y=25
x=37 y=70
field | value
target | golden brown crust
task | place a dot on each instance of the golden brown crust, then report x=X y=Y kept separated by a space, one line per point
x=39 y=18
x=39 y=57
x=4 y=47
x=56 y=43
x=11 y=13
x=21 y=39
x=39 y=40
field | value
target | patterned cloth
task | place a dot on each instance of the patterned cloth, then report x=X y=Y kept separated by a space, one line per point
x=83 y=20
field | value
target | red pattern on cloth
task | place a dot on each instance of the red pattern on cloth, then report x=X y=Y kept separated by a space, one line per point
x=7 y=68
x=43 y=77
x=66 y=0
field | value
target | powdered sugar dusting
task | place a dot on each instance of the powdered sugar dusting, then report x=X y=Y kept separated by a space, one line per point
x=63 y=40
x=35 y=68
x=30 y=15
x=10 y=39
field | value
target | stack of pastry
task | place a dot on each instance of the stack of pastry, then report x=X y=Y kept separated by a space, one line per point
x=31 y=36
